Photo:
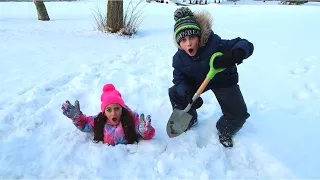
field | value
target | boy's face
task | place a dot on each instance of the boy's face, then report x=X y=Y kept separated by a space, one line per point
x=190 y=44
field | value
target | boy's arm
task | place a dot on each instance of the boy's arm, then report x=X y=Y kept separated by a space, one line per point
x=178 y=78
x=238 y=43
x=234 y=51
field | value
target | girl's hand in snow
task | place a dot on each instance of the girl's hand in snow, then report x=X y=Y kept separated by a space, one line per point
x=145 y=124
x=72 y=112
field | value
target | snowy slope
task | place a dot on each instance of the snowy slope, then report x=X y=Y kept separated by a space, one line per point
x=45 y=63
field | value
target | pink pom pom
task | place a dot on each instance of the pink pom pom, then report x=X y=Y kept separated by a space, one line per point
x=108 y=87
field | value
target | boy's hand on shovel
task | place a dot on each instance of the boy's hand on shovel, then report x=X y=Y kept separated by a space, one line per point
x=197 y=103
x=214 y=71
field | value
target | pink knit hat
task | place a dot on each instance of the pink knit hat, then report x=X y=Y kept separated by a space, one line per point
x=110 y=96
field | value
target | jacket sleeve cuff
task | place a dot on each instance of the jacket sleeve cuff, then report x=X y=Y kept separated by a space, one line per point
x=149 y=134
x=246 y=46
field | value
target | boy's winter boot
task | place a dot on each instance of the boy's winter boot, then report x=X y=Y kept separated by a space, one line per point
x=226 y=140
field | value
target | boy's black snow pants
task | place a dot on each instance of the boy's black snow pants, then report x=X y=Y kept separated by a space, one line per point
x=232 y=104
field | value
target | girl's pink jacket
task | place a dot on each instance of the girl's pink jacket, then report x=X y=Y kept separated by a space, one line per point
x=113 y=134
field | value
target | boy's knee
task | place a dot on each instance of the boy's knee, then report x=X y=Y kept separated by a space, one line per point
x=245 y=116
x=238 y=110
x=172 y=91
x=242 y=113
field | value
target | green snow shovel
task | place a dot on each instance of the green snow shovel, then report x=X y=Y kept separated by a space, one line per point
x=180 y=119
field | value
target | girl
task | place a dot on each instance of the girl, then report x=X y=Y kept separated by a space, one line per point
x=115 y=124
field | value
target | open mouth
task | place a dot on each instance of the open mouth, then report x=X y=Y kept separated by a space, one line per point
x=114 y=119
x=190 y=51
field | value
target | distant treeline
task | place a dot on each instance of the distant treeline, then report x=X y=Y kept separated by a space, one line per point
x=32 y=0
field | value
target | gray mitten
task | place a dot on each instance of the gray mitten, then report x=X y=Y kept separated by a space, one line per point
x=72 y=112
x=145 y=124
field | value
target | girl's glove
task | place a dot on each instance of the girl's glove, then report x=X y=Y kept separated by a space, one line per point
x=145 y=124
x=72 y=112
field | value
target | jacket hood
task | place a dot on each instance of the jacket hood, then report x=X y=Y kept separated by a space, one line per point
x=204 y=19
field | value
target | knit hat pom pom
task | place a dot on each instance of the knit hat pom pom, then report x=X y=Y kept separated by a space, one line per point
x=182 y=12
x=108 y=88
x=110 y=95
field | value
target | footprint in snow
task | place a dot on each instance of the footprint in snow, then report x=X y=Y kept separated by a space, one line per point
x=302 y=70
x=302 y=95
x=309 y=91
x=312 y=88
x=305 y=67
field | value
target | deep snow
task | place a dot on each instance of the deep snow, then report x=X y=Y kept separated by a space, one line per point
x=45 y=63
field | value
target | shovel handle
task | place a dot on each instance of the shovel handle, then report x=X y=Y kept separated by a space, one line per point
x=212 y=72
x=203 y=85
x=197 y=94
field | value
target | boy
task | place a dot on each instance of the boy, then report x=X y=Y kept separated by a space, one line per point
x=196 y=44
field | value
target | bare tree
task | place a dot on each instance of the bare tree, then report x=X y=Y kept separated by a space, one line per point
x=115 y=15
x=130 y=22
x=42 y=11
x=133 y=17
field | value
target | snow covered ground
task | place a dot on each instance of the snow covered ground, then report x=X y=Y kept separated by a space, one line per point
x=45 y=63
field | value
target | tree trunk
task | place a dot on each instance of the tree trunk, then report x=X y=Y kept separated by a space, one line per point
x=42 y=11
x=115 y=15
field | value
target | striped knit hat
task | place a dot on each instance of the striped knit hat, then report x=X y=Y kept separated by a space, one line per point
x=185 y=25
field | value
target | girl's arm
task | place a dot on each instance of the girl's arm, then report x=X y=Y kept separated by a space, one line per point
x=80 y=120
x=143 y=126
x=84 y=123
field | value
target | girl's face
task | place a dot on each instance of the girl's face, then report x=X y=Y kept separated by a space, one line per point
x=190 y=44
x=113 y=113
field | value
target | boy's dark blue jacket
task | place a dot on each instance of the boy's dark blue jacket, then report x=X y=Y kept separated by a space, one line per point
x=189 y=72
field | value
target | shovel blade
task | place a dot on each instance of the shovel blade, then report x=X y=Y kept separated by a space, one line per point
x=178 y=123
